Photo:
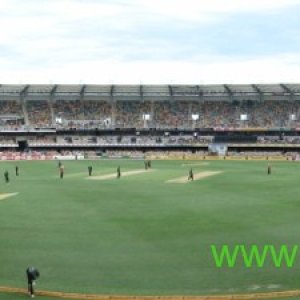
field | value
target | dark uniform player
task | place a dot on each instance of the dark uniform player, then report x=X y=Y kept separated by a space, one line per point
x=149 y=164
x=118 y=172
x=269 y=169
x=90 y=168
x=17 y=170
x=59 y=164
x=146 y=165
x=61 y=171
x=191 y=175
x=32 y=275
x=6 y=176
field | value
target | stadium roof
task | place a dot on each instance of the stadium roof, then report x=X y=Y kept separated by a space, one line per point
x=221 y=92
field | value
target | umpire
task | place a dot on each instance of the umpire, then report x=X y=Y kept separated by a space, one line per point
x=32 y=275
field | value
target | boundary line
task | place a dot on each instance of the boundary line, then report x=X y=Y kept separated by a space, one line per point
x=62 y=295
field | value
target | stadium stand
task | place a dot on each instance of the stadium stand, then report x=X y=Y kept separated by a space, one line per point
x=266 y=106
x=261 y=118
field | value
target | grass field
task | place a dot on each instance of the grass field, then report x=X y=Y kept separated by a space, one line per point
x=141 y=235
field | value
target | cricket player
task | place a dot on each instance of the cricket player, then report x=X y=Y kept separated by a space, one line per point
x=6 y=176
x=118 y=172
x=269 y=169
x=90 y=169
x=61 y=171
x=17 y=170
x=32 y=274
x=191 y=175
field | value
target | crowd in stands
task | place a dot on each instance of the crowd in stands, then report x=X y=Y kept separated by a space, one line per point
x=124 y=154
x=11 y=115
x=41 y=140
x=7 y=141
x=219 y=114
x=171 y=115
x=29 y=155
x=130 y=114
x=119 y=140
x=39 y=113
x=82 y=110
x=10 y=108
x=278 y=140
x=163 y=114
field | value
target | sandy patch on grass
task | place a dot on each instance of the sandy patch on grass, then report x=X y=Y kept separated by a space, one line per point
x=197 y=176
x=123 y=174
x=7 y=195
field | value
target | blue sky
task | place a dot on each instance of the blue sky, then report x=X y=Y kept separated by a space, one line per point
x=143 y=41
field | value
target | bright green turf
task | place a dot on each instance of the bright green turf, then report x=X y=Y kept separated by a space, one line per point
x=140 y=235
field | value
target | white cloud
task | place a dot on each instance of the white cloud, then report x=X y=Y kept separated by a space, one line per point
x=71 y=41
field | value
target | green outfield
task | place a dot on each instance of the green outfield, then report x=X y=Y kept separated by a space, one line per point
x=143 y=235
